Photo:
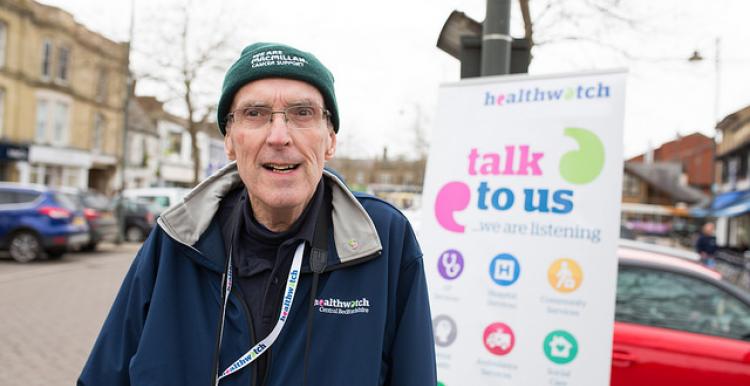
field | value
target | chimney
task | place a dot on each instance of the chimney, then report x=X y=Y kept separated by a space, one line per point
x=649 y=156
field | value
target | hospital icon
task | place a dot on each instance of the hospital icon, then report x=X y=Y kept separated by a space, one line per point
x=504 y=269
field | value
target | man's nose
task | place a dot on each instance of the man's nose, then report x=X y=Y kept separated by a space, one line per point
x=279 y=130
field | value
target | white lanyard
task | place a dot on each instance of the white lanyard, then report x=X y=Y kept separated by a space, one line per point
x=286 y=305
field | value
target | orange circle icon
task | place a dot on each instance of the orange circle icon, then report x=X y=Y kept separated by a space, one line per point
x=565 y=275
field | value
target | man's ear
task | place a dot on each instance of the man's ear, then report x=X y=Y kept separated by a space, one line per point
x=229 y=147
x=331 y=149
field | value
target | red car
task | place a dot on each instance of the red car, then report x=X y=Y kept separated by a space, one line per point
x=677 y=323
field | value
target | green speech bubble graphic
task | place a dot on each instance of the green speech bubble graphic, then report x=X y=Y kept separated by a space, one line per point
x=585 y=164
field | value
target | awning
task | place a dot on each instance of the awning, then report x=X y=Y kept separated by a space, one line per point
x=731 y=204
x=726 y=199
x=734 y=210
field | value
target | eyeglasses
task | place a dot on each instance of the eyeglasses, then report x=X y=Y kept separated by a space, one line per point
x=296 y=117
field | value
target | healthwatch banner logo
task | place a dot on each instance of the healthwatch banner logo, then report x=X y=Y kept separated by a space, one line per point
x=536 y=94
x=577 y=167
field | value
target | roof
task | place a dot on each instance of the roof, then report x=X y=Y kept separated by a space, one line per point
x=666 y=177
x=138 y=119
x=735 y=120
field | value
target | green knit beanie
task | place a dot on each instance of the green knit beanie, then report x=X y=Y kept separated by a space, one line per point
x=273 y=60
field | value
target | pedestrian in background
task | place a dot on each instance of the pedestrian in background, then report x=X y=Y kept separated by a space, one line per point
x=271 y=272
x=706 y=245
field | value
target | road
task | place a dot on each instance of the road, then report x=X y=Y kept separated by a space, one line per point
x=51 y=313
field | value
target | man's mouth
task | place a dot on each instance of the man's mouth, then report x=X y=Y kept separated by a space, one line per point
x=280 y=168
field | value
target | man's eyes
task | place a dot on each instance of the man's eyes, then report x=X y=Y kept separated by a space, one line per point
x=255 y=112
x=302 y=111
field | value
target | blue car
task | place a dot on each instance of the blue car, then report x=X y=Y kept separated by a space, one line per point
x=38 y=222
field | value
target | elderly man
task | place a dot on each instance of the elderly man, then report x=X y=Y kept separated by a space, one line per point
x=271 y=272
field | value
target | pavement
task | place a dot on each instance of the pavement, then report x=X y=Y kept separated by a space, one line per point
x=51 y=313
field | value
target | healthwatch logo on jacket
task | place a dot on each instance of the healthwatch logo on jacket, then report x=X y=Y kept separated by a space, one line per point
x=577 y=167
x=342 y=307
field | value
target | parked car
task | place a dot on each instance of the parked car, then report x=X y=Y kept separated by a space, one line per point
x=677 y=322
x=37 y=222
x=100 y=215
x=161 y=198
x=140 y=218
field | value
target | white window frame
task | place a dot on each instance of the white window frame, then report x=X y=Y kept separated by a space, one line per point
x=42 y=120
x=53 y=124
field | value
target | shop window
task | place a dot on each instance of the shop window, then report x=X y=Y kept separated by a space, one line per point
x=631 y=186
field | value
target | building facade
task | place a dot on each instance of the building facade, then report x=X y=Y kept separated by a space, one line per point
x=731 y=206
x=174 y=160
x=143 y=148
x=62 y=93
x=693 y=152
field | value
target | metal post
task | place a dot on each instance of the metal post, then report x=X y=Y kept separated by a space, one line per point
x=120 y=210
x=717 y=85
x=496 y=39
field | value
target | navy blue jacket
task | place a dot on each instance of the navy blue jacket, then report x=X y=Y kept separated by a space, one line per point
x=163 y=326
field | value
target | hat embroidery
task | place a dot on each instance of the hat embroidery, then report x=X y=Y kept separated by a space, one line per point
x=353 y=244
x=276 y=58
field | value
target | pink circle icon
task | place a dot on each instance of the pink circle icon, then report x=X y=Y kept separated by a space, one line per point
x=452 y=197
x=499 y=338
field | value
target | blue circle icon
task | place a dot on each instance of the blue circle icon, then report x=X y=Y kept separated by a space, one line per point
x=504 y=269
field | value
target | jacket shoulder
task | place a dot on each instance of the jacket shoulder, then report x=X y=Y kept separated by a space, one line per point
x=394 y=229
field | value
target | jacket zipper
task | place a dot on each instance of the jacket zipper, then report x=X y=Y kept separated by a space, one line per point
x=254 y=378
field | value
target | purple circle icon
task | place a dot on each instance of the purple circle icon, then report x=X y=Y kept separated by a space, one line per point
x=450 y=264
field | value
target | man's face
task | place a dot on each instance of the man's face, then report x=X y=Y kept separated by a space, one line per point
x=280 y=165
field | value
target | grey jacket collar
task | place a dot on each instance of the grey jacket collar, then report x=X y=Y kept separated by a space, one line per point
x=354 y=233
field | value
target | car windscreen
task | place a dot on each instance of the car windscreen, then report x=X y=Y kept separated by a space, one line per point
x=97 y=201
x=67 y=201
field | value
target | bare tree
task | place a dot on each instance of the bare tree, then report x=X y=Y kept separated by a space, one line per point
x=554 y=21
x=187 y=61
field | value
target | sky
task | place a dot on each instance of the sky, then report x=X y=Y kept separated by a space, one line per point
x=388 y=69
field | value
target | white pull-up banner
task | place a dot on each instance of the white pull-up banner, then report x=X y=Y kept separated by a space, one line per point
x=520 y=225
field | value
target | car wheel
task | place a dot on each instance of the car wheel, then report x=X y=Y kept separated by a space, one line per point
x=90 y=247
x=24 y=247
x=134 y=234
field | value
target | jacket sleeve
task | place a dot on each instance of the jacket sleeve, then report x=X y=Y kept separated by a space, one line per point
x=119 y=337
x=413 y=351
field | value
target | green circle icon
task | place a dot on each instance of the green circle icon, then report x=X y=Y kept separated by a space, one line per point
x=560 y=347
x=583 y=165
x=440 y=383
